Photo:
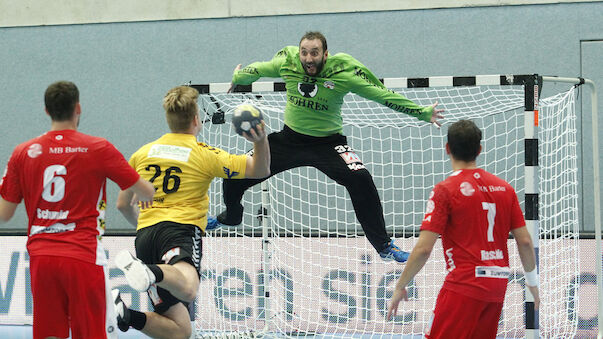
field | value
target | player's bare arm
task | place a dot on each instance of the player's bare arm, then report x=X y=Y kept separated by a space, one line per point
x=418 y=257
x=7 y=210
x=144 y=191
x=525 y=248
x=258 y=165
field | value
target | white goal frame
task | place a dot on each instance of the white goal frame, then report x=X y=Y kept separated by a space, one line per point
x=596 y=185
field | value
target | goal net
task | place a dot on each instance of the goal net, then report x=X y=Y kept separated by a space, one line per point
x=299 y=264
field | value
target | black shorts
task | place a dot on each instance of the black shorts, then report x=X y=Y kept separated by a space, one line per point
x=168 y=243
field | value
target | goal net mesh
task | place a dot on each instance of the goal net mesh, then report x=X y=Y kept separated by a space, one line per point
x=324 y=279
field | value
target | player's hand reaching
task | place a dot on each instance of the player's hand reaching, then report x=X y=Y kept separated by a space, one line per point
x=436 y=115
x=142 y=204
x=231 y=84
x=256 y=134
x=399 y=294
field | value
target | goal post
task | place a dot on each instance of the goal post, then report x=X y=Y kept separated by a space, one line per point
x=299 y=263
x=596 y=187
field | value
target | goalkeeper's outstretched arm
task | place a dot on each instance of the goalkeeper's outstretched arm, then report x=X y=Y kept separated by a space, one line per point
x=368 y=86
x=256 y=70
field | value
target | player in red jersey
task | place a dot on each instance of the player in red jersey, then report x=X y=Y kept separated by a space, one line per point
x=61 y=175
x=473 y=211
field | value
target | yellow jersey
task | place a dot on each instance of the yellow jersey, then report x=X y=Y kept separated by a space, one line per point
x=181 y=169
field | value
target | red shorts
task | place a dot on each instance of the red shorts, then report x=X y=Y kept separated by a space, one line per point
x=70 y=293
x=459 y=316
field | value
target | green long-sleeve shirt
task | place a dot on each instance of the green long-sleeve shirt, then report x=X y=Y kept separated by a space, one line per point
x=314 y=102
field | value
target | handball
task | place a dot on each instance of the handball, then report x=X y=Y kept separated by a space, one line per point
x=245 y=117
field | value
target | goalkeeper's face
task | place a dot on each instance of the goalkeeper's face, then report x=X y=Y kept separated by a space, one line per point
x=312 y=56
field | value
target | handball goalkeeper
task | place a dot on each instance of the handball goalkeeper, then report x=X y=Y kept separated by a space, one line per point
x=316 y=83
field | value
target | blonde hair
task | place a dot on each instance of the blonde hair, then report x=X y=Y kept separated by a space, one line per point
x=180 y=104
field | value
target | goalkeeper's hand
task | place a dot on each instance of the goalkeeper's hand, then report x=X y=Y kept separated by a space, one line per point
x=232 y=85
x=436 y=115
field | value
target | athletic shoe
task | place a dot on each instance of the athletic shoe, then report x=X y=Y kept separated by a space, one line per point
x=123 y=313
x=138 y=275
x=393 y=252
x=212 y=224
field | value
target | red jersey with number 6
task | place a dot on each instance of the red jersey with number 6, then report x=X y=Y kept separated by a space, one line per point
x=61 y=175
x=474 y=211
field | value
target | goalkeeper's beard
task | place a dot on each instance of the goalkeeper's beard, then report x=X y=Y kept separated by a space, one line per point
x=317 y=65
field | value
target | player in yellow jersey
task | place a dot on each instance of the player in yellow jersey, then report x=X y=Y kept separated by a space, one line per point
x=168 y=236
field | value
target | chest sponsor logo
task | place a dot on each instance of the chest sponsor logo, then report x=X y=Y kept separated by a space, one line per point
x=169 y=152
x=329 y=84
x=34 y=150
x=307 y=90
x=467 y=189
x=311 y=104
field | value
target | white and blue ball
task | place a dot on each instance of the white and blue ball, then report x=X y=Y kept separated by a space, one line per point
x=245 y=117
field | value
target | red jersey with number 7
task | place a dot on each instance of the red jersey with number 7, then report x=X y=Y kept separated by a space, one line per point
x=474 y=211
x=61 y=175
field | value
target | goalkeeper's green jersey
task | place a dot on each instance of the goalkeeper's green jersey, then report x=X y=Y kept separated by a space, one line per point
x=314 y=102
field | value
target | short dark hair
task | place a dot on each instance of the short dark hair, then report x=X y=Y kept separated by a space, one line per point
x=464 y=139
x=60 y=99
x=315 y=35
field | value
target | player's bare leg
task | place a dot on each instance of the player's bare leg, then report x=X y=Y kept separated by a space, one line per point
x=174 y=323
x=181 y=280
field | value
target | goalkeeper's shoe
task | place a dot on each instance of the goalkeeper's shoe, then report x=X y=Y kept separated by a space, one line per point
x=123 y=312
x=138 y=275
x=393 y=252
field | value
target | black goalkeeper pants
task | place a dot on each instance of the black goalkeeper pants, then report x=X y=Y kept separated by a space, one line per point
x=332 y=156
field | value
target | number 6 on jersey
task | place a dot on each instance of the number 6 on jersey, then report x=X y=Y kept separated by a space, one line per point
x=54 y=184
